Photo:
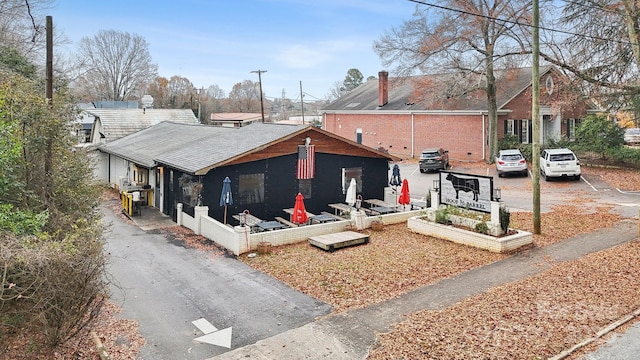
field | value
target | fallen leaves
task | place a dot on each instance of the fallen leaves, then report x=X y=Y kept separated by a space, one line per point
x=185 y=237
x=534 y=318
x=120 y=338
x=564 y=222
x=620 y=178
x=394 y=262
x=397 y=261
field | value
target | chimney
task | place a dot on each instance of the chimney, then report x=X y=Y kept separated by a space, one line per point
x=383 y=88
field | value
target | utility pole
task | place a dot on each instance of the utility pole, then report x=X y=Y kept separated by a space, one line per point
x=48 y=161
x=535 y=114
x=302 y=102
x=283 y=106
x=260 y=84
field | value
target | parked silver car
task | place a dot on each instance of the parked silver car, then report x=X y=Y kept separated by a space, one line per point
x=511 y=161
x=632 y=136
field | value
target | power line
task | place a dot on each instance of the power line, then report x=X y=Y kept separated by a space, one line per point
x=517 y=22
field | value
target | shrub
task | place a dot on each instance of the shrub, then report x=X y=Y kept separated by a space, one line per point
x=505 y=218
x=509 y=141
x=598 y=134
x=625 y=155
x=442 y=216
x=482 y=228
x=22 y=222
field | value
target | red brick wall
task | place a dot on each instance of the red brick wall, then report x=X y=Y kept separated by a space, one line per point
x=461 y=134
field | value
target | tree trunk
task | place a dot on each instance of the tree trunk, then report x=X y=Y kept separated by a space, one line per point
x=492 y=108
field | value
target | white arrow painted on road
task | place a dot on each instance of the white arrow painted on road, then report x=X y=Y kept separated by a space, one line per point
x=212 y=335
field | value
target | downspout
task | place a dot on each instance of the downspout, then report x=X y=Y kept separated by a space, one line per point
x=413 y=135
x=109 y=170
x=484 y=136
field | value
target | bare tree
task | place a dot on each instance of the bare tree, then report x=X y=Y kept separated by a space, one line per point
x=336 y=91
x=245 y=97
x=461 y=37
x=22 y=26
x=600 y=46
x=159 y=90
x=213 y=101
x=116 y=65
x=181 y=92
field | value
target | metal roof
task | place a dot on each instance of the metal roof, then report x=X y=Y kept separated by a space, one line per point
x=117 y=123
x=143 y=146
x=195 y=148
x=230 y=143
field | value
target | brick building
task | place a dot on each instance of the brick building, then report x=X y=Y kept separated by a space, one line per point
x=406 y=115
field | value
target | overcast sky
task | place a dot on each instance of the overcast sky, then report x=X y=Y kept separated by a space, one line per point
x=221 y=41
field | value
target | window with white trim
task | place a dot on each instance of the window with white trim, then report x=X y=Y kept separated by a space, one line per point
x=524 y=131
x=510 y=127
x=571 y=129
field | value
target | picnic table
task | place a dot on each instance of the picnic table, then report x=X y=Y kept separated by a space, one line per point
x=290 y=212
x=322 y=218
x=381 y=207
x=247 y=219
x=343 y=208
x=377 y=202
x=270 y=225
x=381 y=210
x=418 y=204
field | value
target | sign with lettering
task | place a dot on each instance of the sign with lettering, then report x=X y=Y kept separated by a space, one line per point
x=468 y=191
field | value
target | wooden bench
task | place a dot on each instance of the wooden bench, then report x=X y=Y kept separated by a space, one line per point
x=335 y=216
x=249 y=219
x=286 y=222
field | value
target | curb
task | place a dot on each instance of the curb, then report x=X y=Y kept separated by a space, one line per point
x=604 y=331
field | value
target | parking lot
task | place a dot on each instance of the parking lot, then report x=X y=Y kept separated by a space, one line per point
x=517 y=194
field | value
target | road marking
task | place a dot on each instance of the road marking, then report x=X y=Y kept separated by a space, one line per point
x=588 y=183
x=628 y=192
x=204 y=326
x=212 y=335
x=628 y=204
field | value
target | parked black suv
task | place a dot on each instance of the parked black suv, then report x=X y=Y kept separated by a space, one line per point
x=434 y=159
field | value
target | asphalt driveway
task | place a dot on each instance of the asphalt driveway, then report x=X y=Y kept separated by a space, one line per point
x=165 y=287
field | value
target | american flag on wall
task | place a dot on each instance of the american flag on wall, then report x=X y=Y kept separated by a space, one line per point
x=306 y=161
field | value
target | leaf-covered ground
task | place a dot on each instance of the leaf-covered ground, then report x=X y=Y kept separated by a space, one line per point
x=397 y=261
x=533 y=318
x=394 y=262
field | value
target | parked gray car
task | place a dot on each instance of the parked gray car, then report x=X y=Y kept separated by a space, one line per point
x=434 y=159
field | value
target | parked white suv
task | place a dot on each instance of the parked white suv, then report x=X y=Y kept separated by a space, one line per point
x=559 y=163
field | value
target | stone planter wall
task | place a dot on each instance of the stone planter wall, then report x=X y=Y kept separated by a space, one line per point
x=494 y=229
x=470 y=238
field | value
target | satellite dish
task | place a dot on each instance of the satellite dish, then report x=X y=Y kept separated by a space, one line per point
x=147 y=101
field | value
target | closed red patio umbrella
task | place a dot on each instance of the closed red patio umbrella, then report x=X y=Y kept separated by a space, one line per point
x=404 y=198
x=299 y=215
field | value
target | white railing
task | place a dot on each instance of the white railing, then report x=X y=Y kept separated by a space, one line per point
x=239 y=239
